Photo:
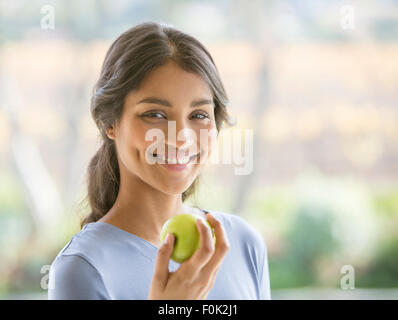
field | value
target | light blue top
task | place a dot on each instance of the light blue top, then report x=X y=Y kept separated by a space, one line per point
x=105 y=262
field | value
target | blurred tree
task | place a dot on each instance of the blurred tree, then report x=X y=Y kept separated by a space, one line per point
x=309 y=238
x=255 y=21
x=383 y=269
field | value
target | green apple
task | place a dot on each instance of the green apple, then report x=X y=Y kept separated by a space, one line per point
x=186 y=235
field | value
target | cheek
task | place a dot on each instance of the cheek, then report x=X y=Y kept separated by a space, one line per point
x=133 y=141
x=210 y=137
x=205 y=141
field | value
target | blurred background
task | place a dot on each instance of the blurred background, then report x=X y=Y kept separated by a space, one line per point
x=317 y=81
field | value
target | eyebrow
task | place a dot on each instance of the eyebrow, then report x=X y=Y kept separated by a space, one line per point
x=155 y=100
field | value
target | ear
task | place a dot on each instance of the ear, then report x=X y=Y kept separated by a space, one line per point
x=110 y=132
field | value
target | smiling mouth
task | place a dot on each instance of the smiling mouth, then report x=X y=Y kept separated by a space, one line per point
x=182 y=161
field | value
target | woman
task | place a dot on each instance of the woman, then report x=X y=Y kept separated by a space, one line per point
x=153 y=76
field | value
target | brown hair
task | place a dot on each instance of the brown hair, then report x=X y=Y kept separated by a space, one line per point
x=129 y=59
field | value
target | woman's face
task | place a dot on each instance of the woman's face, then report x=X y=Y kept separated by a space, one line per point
x=167 y=94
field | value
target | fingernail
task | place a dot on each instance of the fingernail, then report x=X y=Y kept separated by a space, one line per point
x=168 y=238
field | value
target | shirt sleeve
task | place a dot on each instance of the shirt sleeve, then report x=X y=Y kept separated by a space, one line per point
x=72 y=277
x=264 y=281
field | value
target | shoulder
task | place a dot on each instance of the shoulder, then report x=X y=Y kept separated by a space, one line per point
x=242 y=234
x=74 y=273
x=90 y=243
x=73 y=277
x=239 y=227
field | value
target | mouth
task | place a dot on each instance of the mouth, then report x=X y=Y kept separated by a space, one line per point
x=181 y=161
x=175 y=164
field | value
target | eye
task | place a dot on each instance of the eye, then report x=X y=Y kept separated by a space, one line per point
x=159 y=115
x=155 y=115
x=202 y=116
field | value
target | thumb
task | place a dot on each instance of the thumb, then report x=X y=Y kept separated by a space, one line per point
x=162 y=262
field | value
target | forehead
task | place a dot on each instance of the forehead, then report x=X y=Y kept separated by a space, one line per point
x=171 y=82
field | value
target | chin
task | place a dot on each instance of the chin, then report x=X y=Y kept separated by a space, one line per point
x=172 y=192
x=175 y=188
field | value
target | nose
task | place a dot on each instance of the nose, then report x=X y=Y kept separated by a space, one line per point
x=180 y=136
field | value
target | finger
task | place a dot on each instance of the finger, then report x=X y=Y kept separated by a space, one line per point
x=161 y=272
x=221 y=248
x=201 y=256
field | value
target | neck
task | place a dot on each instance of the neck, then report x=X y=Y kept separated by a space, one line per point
x=142 y=210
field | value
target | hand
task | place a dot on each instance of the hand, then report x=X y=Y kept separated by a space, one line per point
x=195 y=276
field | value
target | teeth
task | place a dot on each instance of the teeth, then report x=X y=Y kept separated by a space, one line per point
x=172 y=161
x=183 y=160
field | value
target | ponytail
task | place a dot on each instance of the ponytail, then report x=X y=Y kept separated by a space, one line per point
x=103 y=180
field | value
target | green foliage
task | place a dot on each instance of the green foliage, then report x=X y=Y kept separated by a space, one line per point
x=383 y=269
x=11 y=197
x=386 y=203
x=309 y=238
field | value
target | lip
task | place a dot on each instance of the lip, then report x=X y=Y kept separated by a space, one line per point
x=176 y=167
x=179 y=167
